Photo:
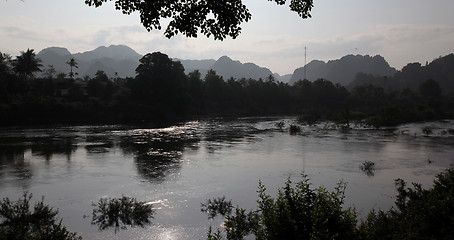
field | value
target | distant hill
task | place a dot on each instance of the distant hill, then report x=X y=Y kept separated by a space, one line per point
x=56 y=57
x=117 y=52
x=348 y=70
x=228 y=68
x=344 y=70
x=113 y=59
x=202 y=65
x=124 y=60
x=284 y=78
x=55 y=50
x=413 y=74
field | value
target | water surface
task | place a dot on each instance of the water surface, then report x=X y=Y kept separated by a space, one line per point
x=178 y=167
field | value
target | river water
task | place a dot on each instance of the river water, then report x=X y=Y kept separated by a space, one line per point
x=178 y=167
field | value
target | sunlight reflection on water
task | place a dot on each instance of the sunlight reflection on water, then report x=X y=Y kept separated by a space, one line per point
x=177 y=167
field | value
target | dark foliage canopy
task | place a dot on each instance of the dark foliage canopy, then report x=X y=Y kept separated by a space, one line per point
x=27 y=63
x=21 y=221
x=211 y=17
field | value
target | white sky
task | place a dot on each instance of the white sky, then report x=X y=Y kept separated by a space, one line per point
x=402 y=31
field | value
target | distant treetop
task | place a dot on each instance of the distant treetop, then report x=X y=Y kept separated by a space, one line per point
x=211 y=17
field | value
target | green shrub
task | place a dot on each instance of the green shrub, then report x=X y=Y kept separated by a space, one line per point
x=19 y=222
x=294 y=129
x=427 y=130
x=368 y=167
x=419 y=213
x=280 y=125
x=298 y=212
x=217 y=206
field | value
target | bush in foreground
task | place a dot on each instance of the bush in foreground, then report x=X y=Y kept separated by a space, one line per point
x=19 y=222
x=300 y=212
x=419 y=213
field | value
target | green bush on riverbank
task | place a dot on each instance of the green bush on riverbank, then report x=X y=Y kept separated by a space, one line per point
x=19 y=222
x=300 y=212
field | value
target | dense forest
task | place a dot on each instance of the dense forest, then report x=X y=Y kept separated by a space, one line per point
x=161 y=92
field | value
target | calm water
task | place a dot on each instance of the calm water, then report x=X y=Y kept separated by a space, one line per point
x=178 y=167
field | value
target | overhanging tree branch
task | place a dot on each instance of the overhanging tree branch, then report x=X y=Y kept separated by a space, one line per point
x=216 y=18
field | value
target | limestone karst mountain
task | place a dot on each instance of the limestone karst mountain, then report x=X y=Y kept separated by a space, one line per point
x=118 y=59
x=121 y=61
x=344 y=70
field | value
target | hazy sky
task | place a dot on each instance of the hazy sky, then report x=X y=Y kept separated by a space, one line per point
x=402 y=31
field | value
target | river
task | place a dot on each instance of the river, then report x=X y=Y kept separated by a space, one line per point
x=180 y=166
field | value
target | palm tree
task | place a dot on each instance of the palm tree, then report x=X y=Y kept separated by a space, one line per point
x=26 y=64
x=5 y=60
x=72 y=63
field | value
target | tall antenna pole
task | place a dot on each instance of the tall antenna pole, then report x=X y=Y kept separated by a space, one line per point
x=305 y=66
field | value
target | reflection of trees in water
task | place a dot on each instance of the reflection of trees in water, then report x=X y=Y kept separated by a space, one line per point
x=13 y=162
x=49 y=146
x=158 y=152
x=13 y=154
x=218 y=135
x=121 y=212
x=100 y=143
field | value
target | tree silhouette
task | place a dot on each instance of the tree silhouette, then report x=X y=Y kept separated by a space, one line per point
x=211 y=17
x=5 y=61
x=72 y=63
x=100 y=86
x=160 y=82
x=430 y=89
x=26 y=64
x=50 y=71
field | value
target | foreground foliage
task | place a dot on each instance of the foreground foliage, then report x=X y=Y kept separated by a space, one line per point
x=219 y=19
x=216 y=206
x=298 y=212
x=419 y=213
x=301 y=212
x=19 y=222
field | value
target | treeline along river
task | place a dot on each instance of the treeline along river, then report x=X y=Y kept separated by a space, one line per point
x=178 y=167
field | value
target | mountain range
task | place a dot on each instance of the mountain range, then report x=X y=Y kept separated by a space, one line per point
x=113 y=59
x=343 y=70
x=121 y=61
x=412 y=75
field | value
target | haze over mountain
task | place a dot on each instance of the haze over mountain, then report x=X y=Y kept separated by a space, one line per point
x=348 y=70
x=227 y=68
x=202 y=65
x=124 y=60
x=344 y=70
x=413 y=74
x=113 y=59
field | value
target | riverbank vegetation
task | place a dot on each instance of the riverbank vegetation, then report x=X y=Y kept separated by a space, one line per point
x=299 y=211
x=161 y=91
x=302 y=212
x=19 y=222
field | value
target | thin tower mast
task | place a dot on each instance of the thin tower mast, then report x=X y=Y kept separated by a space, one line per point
x=305 y=66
